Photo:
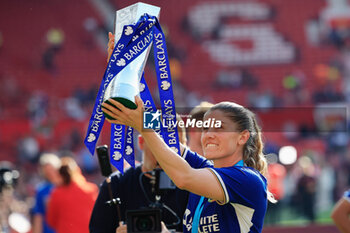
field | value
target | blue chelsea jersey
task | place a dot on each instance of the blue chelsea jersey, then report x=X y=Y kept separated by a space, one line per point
x=347 y=195
x=245 y=202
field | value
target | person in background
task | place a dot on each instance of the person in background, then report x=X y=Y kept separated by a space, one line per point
x=55 y=38
x=194 y=134
x=341 y=213
x=306 y=188
x=71 y=203
x=128 y=188
x=275 y=178
x=49 y=165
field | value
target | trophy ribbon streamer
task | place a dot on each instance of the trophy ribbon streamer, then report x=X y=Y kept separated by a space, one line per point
x=140 y=36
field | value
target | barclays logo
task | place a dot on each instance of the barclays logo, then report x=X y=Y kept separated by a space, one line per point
x=117 y=155
x=128 y=31
x=91 y=137
x=121 y=62
x=165 y=85
x=142 y=87
x=128 y=150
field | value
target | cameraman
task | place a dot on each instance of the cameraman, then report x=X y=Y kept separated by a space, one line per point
x=104 y=218
x=195 y=134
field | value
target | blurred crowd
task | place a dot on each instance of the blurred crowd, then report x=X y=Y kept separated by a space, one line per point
x=306 y=189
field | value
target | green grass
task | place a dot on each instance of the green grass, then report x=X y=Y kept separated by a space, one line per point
x=288 y=217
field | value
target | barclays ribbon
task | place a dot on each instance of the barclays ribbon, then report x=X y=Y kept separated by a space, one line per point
x=148 y=102
x=115 y=65
x=97 y=117
x=134 y=41
x=117 y=146
x=129 y=147
x=170 y=132
x=146 y=96
x=141 y=39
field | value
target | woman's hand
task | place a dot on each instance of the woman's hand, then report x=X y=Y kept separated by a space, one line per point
x=110 y=45
x=124 y=115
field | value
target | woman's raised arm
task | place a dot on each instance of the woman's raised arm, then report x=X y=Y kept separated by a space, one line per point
x=199 y=181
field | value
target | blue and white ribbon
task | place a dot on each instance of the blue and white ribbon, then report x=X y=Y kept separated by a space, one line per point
x=134 y=40
x=166 y=95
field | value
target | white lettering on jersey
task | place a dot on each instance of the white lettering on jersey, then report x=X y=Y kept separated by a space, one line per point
x=209 y=224
x=187 y=223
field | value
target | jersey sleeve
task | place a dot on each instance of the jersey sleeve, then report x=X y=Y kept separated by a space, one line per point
x=195 y=160
x=38 y=207
x=241 y=185
x=347 y=195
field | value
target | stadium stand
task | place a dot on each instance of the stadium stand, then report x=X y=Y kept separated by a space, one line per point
x=269 y=39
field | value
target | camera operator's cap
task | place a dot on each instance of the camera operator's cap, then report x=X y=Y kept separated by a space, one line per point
x=50 y=158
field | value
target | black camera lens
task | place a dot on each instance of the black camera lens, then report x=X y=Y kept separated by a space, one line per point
x=145 y=223
x=143 y=220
